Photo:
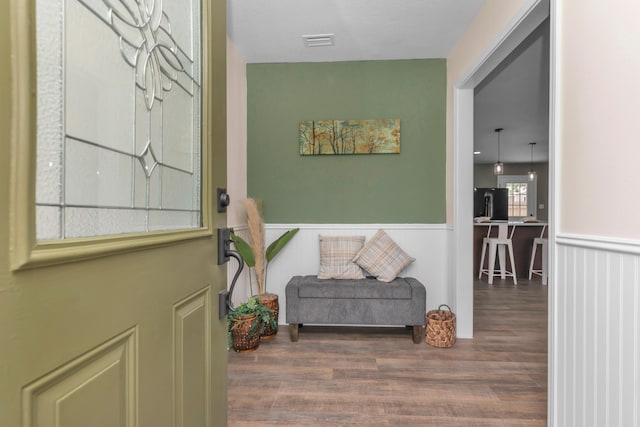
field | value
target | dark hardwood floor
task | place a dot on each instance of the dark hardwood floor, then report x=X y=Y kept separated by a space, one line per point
x=378 y=377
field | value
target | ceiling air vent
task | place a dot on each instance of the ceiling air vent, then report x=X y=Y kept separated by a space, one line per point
x=318 y=40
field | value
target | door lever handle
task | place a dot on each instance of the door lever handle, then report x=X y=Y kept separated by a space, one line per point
x=224 y=253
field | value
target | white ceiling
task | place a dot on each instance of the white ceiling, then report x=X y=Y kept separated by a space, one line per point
x=270 y=31
x=515 y=96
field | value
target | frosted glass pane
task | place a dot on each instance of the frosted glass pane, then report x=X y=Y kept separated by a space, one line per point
x=118 y=100
x=167 y=220
x=176 y=189
x=49 y=108
x=180 y=15
x=187 y=83
x=48 y=227
x=97 y=177
x=87 y=222
x=197 y=158
x=139 y=187
x=98 y=7
x=143 y=123
x=197 y=65
x=178 y=129
x=155 y=189
x=49 y=176
x=195 y=196
x=187 y=62
x=99 y=83
x=148 y=125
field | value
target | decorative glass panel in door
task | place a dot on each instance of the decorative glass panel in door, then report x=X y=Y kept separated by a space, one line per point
x=119 y=117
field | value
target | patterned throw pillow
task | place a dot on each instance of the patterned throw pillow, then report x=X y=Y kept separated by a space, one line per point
x=336 y=253
x=382 y=257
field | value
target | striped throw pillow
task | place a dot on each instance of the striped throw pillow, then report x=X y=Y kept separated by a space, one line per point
x=382 y=257
x=336 y=253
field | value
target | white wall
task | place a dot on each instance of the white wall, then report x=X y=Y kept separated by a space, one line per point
x=490 y=21
x=236 y=134
x=595 y=299
x=598 y=64
x=301 y=256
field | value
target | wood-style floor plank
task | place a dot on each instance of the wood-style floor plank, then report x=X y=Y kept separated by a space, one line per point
x=347 y=376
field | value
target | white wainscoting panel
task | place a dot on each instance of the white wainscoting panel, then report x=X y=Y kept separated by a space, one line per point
x=192 y=359
x=97 y=389
x=428 y=243
x=596 y=333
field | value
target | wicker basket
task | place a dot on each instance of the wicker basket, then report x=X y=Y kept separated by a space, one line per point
x=270 y=301
x=441 y=327
x=242 y=343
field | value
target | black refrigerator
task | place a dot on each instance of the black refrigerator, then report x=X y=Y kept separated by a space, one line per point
x=491 y=202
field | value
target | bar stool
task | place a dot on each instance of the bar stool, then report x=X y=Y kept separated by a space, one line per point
x=498 y=244
x=542 y=241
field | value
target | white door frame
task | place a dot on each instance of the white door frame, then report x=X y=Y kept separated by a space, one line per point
x=532 y=14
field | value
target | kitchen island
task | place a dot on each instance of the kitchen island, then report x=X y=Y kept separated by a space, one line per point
x=522 y=242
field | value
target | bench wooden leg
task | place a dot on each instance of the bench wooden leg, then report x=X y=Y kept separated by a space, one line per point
x=293 y=332
x=417 y=334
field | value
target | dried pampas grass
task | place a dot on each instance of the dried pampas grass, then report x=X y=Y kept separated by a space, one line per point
x=256 y=231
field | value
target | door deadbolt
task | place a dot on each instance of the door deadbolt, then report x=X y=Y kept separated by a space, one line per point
x=223 y=199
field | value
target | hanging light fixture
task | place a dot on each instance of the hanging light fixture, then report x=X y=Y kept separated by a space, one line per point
x=498 y=167
x=532 y=173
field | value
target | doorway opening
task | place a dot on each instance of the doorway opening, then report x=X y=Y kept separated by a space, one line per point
x=463 y=143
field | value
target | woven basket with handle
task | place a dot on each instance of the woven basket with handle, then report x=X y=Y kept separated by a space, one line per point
x=441 y=327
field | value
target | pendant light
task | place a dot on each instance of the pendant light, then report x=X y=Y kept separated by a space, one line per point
x=532 y=173
x=498 y=167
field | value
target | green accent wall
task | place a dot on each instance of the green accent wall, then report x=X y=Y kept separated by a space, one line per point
x=348 y=189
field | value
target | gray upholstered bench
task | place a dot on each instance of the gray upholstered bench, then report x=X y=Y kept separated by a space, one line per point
x=355 y=302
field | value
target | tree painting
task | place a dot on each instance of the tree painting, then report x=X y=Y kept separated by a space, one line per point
x=325 y=137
